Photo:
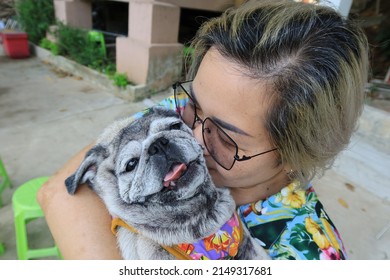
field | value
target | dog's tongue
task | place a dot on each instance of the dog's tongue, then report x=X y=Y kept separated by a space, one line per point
x=174 y=174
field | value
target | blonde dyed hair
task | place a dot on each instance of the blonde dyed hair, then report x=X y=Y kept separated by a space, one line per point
x=316 y=62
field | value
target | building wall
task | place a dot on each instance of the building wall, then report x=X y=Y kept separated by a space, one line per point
x=151 y=54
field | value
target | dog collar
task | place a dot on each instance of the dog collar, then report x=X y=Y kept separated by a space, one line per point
x=118 y=222
x=173 y=250
x=221 y=245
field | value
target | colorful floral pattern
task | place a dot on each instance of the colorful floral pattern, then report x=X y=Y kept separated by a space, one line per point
x=218 y=246
x=291 y=224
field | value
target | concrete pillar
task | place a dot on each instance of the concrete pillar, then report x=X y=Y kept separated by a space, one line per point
x=153 y=22
x=151 y=54
x=76 y=13
x=157 y=65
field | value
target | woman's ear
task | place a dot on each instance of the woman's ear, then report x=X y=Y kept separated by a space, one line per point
x=290 y=172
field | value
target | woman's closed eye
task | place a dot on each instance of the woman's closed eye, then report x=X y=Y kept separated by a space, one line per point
x=224 y=139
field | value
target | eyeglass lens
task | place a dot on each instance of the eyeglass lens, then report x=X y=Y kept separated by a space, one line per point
x=220 y=146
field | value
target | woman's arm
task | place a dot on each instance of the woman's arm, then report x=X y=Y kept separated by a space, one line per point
x=80 y=224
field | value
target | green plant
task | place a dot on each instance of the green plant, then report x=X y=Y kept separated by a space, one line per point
x=120 y=80
x=49 y=45
x=35 y=17
x=76 y=44
x=45 y=44
x=54 y=49
x=109 y=69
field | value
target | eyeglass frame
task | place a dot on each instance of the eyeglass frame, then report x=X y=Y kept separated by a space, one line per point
x=198 y=119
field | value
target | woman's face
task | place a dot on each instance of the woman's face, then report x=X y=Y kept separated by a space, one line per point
x=222 y=92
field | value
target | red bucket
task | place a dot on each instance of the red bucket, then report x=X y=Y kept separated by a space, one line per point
x=16 y=44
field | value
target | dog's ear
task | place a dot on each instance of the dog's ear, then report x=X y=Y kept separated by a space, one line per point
x=87 y=170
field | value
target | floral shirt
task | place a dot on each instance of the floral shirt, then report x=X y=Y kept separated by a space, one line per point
x=293 y=225
x=290 y=225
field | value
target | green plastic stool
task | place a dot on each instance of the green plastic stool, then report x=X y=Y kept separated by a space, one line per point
x=2 y=249
x=26 y=209
x=4 y=181
x=98 y=38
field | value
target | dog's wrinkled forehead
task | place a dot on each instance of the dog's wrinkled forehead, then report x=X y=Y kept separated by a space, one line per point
x=154 y=121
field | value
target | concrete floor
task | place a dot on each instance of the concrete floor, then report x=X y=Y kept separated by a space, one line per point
x=46 y=116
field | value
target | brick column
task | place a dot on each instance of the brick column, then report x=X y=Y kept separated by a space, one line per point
x=150 y=54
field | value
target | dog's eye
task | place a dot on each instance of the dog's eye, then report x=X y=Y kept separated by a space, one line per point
x=131 y=164
x=175 y=126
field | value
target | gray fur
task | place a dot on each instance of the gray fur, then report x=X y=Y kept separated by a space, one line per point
x=191 y=210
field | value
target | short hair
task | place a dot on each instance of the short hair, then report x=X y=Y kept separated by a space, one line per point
x=316 y=62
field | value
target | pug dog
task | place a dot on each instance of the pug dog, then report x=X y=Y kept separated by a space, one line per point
x=152 y=176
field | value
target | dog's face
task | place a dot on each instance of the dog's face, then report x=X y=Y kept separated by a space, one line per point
x=152 y=159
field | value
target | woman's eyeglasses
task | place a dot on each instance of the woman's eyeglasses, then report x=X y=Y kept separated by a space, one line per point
x=218 y=143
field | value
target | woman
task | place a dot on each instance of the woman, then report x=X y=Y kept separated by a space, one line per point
x=276 y=91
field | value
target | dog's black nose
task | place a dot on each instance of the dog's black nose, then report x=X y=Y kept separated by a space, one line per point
x=158 y=146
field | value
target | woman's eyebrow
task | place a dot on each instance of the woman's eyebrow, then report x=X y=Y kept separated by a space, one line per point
x=218 y=121
x=230 y=127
